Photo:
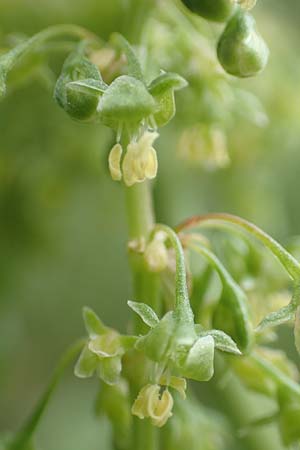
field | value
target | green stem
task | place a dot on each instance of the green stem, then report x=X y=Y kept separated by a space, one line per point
x=291 y=265
x=24 y=436
x=11 y=58
x=141 y=221
x=279 y=377
x=183 y=308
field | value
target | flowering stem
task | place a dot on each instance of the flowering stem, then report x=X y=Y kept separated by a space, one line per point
x=11 y=58
x=24 y=436
x=141 y=221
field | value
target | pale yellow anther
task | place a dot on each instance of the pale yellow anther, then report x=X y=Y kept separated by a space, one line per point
x=177 y=383
x=156 y=255
x=114 y=162
x=150 y=403
x=140 y=161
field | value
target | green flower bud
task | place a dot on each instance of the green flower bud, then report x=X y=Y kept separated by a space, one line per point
x=79 y=105
x=215 y=10
x=241 y=50
x=103 y=351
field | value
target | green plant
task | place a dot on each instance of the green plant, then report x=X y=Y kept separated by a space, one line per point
x=172 y=339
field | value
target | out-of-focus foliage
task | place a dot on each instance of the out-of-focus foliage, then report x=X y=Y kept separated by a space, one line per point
x=62 y=220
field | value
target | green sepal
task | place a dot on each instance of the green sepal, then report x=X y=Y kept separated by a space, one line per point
x=125 y=101
x=134 y=67
x=199 y=362
x=241 y=50
x=88 y=86
x=222 y=341
x=214 y=10
x=165 y=108
x=109 y=370
x=274 y=319
x=86 y=364
x=80 y=106
x=165 y=82
x=145 y=312
x=157 y=342
x=162 y=88
x=93 y=324
x=106 y=345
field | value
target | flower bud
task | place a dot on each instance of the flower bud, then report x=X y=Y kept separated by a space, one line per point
x=241 y=50
x=215 y=10
x=79 y=105
x=154 y=405
x=156 y=255
x=126 y=100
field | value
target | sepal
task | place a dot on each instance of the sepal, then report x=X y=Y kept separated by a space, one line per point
x=146 y=313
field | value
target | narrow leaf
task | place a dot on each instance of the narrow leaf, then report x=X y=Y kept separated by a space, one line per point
x=145 y=312
x=283 y=315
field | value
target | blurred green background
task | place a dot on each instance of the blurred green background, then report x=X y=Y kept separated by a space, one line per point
x=63 y=222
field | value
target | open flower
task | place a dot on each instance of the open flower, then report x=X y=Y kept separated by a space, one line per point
x=103 y=351
x=140 y=161
x=131 y=106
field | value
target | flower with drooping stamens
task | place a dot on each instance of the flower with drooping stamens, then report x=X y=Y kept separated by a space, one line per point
x=151 y=403
x=140 y=161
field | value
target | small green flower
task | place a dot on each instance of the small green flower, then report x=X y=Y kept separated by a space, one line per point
x=183 y=349
x=103 y=351
x=131 y=107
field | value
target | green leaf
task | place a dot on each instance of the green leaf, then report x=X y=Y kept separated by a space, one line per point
x=86 y=364
x=199 y=363
x=145 y=312
x=283 y=315
x=93 y=324
x=165 y=82
x=222 y=341
x=134 y=67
